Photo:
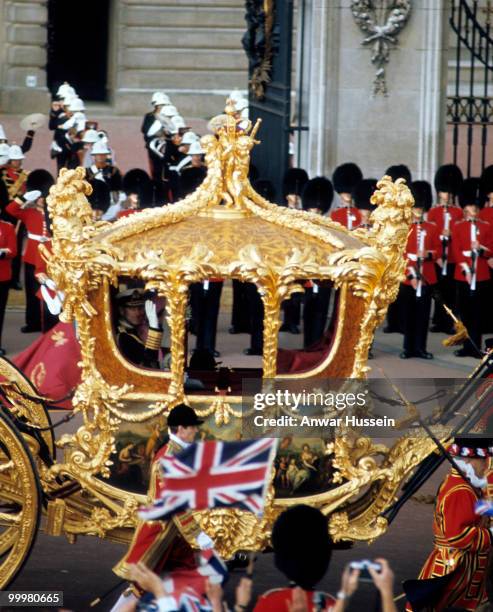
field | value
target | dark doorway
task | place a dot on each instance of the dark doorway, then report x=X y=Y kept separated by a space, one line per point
x=78 y=50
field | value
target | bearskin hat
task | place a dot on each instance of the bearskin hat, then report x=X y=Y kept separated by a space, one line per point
x=265 y=188
x=422 y=194
x=448 y=179
x=190 y=179
x=138 y=181
x=294 y=181
x=469 y=193
x=318 y=193
x=134 y=179
x=399 y=171
x=100 y=197
x=302 y=547
x=362 y=193
x=486 y=181
x=41 y=180
x=346 y=177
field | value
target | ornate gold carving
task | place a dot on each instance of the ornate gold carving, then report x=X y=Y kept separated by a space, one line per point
x=388 y=236
x=224 y=229
x=20 y=502
x=55 y=517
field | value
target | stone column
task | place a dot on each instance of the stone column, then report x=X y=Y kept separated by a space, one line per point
x=347 y=122
x=24 y=39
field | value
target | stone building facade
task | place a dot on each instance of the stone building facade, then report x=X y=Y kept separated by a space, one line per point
x=192 y=50
x=189 y=48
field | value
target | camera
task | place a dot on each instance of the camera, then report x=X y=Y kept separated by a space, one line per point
x=363 y=566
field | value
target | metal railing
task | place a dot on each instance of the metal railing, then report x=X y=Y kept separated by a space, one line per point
x=472 y=110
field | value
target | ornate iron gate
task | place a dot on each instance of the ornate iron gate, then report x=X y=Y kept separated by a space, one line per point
x=470 y=109
x=268 y=45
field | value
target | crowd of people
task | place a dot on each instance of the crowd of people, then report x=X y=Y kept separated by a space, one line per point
x=449 y=253
x=455 y=577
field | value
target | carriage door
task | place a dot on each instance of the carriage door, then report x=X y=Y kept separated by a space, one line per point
x=470 y=87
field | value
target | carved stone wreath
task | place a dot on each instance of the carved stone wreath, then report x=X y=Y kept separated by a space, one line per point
x=382 y=21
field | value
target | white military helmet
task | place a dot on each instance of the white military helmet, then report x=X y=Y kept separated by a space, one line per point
x=15 y=152
x=4 y=153
x=235 y=95
x=177 y=121
x=196 y=148
x=90 y=136
x=3 y=136
x=241 y=104
x=100 y=148
x=76 y=105
x=160 y=99
x=189 y=138
x=65 y=90
x=169 y=110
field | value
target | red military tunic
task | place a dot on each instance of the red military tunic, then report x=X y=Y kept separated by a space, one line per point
x=7 y=241
x=35 y=224
x=461 y=246
x=437 y=215
x=431 y=249
x=486 y=214
x=461 y=546
x=349 y=216
x=279 y=600
x=127 y=212
x=159 y=544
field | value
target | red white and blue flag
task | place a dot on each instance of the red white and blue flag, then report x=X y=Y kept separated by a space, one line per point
x=215 y=474
x=186 y=589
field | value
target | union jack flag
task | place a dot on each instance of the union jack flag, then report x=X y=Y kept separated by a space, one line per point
x=215 y=474
x=186 y=589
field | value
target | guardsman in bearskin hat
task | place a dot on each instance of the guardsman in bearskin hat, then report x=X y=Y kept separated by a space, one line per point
x=159 y=544
x=100 y=201
x=14 y=178
x=448 y=181
x=422 y=249
x=317 y=197
x=302 y=553
x=137 y=186
x=472 y=247
x=453 y=576
x=345 y=179
x=30 y=210
x=361 y=197
x=133 y=310
x=293 y=184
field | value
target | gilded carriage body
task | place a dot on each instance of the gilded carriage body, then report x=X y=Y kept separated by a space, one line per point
x=223 y=230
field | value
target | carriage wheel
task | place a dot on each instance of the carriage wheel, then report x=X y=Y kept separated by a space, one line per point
x=15 y=397
x=20 y=501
